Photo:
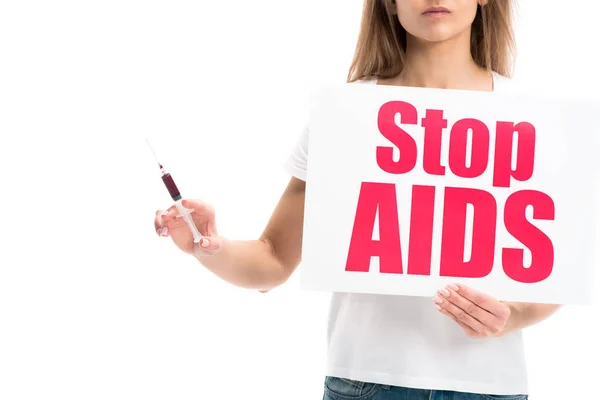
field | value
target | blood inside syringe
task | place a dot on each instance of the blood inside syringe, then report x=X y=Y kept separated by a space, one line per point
x=170 y=184
x=167 y=178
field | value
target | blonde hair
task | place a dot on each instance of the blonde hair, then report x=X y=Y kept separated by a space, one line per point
x=382 y=40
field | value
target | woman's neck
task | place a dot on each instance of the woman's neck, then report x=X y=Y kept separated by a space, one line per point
x=444 y=65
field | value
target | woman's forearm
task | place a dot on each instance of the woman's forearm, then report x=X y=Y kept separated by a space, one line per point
x=250 y=264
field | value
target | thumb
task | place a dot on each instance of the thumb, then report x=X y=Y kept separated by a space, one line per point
x=209 y=244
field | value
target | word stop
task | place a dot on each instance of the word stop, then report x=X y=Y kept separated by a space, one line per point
x=381 y=198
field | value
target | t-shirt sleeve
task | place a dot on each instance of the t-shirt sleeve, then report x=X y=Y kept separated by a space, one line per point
x=297 y=160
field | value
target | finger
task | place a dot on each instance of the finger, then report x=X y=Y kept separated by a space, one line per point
x=469 y=307
x=211 y=228
x=166 y=220
x=460 y=314
x=484 y=301
x=169 y=214
x=199 y=207
x=163 y=216
x=159 y=221
x=466 y=328
x=209 y=245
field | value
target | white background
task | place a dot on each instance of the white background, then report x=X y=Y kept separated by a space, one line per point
x=92 y=304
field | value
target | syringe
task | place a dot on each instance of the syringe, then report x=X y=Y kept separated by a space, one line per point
x=176 y=196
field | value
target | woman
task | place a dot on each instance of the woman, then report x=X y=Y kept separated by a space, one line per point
x=463 y=344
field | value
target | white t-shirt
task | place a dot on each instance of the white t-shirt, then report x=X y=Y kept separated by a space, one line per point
x=404 y=341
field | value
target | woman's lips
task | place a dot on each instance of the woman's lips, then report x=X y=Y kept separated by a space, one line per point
x=436 y=12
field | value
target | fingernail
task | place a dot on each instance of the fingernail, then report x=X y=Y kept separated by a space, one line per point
x=204 y=243
x=164 y=213
x=453 y=287
x=164 y=231
x=445 y=292
x=437 y=307
x=158 y=231
x=438 y=299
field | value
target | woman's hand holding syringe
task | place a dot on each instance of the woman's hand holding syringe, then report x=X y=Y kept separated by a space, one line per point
x=253 y=264
x=250 y=264
x=169 y=223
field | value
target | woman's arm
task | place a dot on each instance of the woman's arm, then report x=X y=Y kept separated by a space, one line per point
x=269 y=261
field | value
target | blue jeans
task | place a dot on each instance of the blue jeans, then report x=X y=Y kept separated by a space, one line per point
x=345 y=389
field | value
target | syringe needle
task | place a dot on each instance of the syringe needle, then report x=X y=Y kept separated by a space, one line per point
x=154 y=153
